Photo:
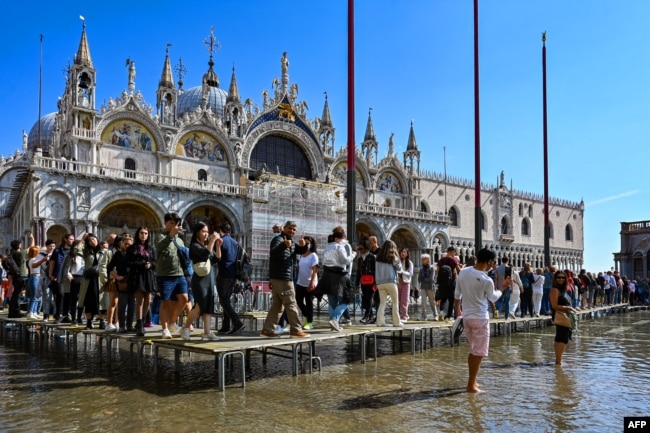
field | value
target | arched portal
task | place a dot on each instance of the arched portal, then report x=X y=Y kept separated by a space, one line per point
x=126 y=216
x=211 y=215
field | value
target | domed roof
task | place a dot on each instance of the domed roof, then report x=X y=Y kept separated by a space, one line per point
x=191 y=98
x=43 y=141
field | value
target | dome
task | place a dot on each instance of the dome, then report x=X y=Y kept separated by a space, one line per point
x=47 y=123
x=189 y=100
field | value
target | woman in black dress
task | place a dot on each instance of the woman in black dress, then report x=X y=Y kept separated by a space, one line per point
x=560 y=302
x=141 y=260
x=202 y=250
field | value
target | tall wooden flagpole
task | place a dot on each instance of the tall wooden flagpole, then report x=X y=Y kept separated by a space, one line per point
x=477 y=141
x=547 y=225
x=351 y=188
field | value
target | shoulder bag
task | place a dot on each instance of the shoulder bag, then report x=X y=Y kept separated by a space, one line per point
x=562 y=319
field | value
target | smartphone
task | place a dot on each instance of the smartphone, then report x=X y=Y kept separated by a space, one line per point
x=508 y=272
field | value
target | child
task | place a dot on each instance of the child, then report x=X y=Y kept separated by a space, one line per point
x=427 y=288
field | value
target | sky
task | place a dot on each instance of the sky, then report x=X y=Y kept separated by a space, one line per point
x=413 y=63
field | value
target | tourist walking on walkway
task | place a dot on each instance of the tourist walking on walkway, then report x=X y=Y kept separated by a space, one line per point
x=560 y=302
x=19 y=257
x=427 y=287
x=307 y=282
x=404 y=284
x=55 y=275
x=35 y=260
x=538 y=291
x=335 y=282
x=141 y=259
x=72 y=272
x=202 y=253
x=474 y=289
x=282 y=253
x=89 y=290
x=227 y=279
x=526 y=276
x=365 y=278
x=387 y=270
x=548 y=282
x=170 y=275
x=118 y=269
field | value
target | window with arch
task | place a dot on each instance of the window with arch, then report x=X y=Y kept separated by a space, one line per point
x=129 y=168
x=482 y=221
x=203 y=175
x=453 y=217
x=568 y=233
x=281 y=155
x=525 y=227
x=504 y=226
x=550 y=230
x=521 y=209
x=423 y=207
x=530 y=211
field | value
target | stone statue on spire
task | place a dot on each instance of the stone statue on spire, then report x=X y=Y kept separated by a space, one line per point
x=131 y=84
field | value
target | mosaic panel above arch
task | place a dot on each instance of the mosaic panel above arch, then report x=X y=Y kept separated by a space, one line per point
x=127 y=216
x=199 y=145
x=340 y=175
x=388 y=181
x=129 y=134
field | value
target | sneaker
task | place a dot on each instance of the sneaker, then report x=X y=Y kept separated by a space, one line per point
x=186 y=334
x=223 y=331
x=237 y=329
x=148 y=325
x=300 y=334
x=423 y=319
x=166 y=334
x=335 y=326
x=58 y=320
x=307 y=325
x=345 y=321
x=266 y=333
x=66 y=319
x=31 y=316
x=173 y=328
x=110 y=327
x=512 y=316
x=279 y=330
x=363 y=321
x=210 y=336
x=102 y=324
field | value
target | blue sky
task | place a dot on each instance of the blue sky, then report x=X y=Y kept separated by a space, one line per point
x=414 y=61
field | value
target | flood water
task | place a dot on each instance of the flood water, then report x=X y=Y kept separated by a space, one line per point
x=606 y=376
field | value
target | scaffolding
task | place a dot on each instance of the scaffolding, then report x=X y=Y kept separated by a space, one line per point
x=316 y=208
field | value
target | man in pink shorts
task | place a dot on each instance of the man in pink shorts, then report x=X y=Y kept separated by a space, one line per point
x=473 y=290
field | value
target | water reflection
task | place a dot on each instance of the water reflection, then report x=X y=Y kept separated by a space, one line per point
x=605 y=377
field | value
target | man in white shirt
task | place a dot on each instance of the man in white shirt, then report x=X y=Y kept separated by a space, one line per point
x=473 y=290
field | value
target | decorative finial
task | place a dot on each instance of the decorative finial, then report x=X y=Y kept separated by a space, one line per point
x=83 y=19
x=369 y=111
x=167 y=48
x=210 y=42
x=544 y=36
x=325 y=93
x=181 y=71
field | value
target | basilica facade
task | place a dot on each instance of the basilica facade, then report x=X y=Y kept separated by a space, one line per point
x=213 y=156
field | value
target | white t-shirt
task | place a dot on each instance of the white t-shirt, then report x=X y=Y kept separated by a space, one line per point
x=37 y=270
x=475 y=288
x=305 y=265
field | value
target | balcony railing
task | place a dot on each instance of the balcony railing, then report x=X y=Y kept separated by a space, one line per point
x=133 y=176
x=506 y=238
x=636 y=226
x=402 y=213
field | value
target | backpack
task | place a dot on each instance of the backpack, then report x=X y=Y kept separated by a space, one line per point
x=525 y=281
x=445 y=277
x=243 y=265
x=184 y=259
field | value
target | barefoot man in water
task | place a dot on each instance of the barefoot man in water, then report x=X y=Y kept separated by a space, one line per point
x=474 y=289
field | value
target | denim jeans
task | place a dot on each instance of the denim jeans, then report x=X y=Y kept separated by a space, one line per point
x=225 y=289
x=503 y=304
x=336 y=307
x=34 y=295
x=546 y=301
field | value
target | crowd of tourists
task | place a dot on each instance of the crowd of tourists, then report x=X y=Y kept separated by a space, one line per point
x=126 y=282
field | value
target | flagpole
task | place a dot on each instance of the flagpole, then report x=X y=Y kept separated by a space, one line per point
x=351 y=186
x=40 y=93
x=477 y=141
x=547 y=225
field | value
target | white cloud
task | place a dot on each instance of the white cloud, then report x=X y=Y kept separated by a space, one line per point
x=613 y=197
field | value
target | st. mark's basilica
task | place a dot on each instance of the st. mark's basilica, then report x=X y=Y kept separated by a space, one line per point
x=212 y=155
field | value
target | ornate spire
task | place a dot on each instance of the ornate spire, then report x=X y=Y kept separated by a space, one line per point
x=83 y=53
x=233 y=91
x=166 y=79
x=326 y=119
x=411 y=142
x=210 y=78
x=181 y=70
x=370 y=130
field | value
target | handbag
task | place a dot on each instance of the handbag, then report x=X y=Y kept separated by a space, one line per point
x=202 y=268
x=367 y=280
x=562 y=319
